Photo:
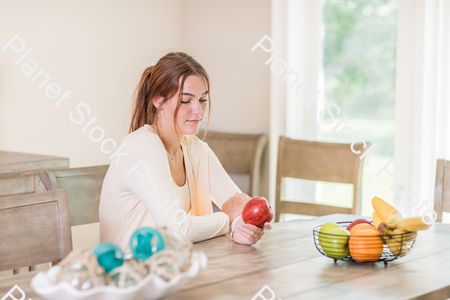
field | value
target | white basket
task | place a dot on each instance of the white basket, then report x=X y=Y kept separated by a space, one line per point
x=151 y=287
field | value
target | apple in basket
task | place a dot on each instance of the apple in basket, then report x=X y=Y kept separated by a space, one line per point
x=334 y=240
x=356 y=222
x=257 y=211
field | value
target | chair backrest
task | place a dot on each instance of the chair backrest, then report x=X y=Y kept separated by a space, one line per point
x=83 y=187
x=19 y=172
x=442 y=188
x=34 y=229
x=239 y=154
x=332 y=162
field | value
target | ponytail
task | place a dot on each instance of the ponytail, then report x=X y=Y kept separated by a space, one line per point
x=143 y=108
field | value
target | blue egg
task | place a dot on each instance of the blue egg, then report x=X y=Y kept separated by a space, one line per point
x=109 y=256
x=145 y=242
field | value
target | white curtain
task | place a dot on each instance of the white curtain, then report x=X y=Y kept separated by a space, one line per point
x=304 y=24
x=422 y=126
x=296 y=28
x=277 y=92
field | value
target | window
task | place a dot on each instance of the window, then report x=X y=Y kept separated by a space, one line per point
x=357 y=73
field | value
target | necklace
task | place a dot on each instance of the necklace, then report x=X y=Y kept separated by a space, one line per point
x=173 y=156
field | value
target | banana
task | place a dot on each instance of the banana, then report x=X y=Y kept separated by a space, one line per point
x=409 y=236
x=401 y=235
x=393 y=220
x=397 y=248
x=376 y=219
x=413 y=224
x=385 y=211
x=382 y=228
x=397 y=239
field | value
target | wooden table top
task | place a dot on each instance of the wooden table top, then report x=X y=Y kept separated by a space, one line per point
x=11 y=162
x=287 y=261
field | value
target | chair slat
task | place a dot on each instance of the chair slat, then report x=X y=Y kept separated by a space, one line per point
x=320 y=161
x=311 y=160
x=35 y=229
x=83 y=187
x=239 y=154
x=439 y=189
x=446 y=188
x=311 y=209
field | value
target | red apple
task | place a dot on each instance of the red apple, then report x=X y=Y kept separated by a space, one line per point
x=257 y=211
x=356 y=222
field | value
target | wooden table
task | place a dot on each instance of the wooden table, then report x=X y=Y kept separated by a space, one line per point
x=287 y=261
x=19 y=172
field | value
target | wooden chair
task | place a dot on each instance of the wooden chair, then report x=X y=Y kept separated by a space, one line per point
x=19 y=172
x=332 y=162
x=442 y=188
x=83 y=187
x=239 y=154
x=35 y=229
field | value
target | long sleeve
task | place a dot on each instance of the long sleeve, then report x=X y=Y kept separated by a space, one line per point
x=146 y=173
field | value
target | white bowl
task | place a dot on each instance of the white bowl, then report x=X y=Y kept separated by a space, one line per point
x=151 y=287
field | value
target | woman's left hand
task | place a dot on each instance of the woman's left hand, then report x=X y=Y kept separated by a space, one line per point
x=249 y=234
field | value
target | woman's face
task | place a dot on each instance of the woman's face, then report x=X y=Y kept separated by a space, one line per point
x=194 y=103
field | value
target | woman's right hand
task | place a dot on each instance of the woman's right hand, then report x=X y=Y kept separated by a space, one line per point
x=248 y=234
x=233 y=207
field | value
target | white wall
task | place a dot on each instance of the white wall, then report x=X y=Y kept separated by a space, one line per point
x=98 y=50
x=220 y=34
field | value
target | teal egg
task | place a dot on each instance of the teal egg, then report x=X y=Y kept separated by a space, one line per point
x=109 y=256
x=145 y=242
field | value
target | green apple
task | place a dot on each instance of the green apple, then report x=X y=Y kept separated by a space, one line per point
x=335 y=244
x=324 y=238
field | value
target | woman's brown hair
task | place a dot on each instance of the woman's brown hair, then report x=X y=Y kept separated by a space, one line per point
x=162 y=80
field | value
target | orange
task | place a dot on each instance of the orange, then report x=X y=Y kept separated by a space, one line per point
x=366 y=245
x=361 y=226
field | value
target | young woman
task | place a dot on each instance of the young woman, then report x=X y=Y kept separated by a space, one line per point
x=162 y=174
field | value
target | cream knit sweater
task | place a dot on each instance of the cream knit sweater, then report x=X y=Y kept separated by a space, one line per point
x=138 y=190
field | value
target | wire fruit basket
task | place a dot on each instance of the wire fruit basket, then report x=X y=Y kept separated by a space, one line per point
x=363 y=248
